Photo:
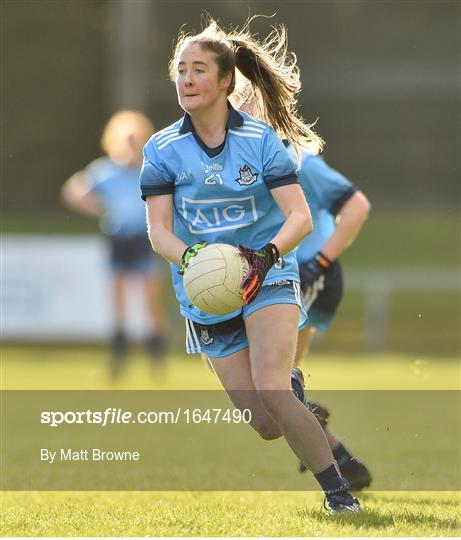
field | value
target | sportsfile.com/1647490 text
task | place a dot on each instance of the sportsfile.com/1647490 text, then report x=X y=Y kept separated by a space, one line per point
x=113 y=415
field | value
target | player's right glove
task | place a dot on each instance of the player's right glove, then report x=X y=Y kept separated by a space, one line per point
x=260 y=262
x=190 y=252
x=312 y=275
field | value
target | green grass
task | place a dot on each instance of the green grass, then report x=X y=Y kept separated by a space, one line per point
x=224 y=514
x=221 y=513
x=84 y=368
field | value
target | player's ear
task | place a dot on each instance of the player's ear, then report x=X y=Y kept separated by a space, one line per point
x=226 y=80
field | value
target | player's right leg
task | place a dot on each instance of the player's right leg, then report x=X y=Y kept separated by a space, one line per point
x=234 y=372
x=225 y=347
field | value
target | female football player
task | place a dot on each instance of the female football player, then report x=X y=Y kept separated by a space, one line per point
x=219 y=175
x=108 y=188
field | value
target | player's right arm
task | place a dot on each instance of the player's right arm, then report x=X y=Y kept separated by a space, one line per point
x=76 y=194
x=160 y=228
x=157 y=188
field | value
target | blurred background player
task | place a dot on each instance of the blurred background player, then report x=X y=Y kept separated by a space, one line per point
x=108 y=188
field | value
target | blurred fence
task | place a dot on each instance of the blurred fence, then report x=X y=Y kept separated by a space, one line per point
x=55 y=289
x=377 y=286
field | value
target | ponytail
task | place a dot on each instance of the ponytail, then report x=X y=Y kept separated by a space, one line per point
x=271 y=79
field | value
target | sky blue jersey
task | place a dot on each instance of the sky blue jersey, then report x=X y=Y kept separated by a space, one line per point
x=117 y=188
x=326 y=191
x=223 y=194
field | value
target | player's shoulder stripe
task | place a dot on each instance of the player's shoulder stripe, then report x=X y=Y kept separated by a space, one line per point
x=166 y=132
x=245 y=133
x=175 y=136
x=255 y=124
x=251 y=127
x=249 y=120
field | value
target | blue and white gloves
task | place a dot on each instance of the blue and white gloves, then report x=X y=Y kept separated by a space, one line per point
x=312 y=274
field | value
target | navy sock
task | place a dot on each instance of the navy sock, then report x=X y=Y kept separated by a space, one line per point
x=331 y=480
x=341 y=455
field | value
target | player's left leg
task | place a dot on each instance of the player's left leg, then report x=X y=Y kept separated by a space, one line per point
x=119 y=342
x=353 y=469
x=272 y=335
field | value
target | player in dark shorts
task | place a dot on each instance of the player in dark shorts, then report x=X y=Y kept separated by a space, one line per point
x=338 y=212
x=108 y=188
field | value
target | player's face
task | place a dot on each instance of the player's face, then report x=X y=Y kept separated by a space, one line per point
x=197 y=81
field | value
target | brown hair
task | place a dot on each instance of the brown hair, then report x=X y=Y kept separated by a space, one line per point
x=271 y=81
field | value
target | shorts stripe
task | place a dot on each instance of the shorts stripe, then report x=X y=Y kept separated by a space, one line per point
x=297 y=290
x=194 y=334
x=188 y=344
x=192 y=341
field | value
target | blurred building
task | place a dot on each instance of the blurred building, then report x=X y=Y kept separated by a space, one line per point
x=381 y=77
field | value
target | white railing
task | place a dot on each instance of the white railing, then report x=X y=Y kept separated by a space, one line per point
x=378 y=284
x=55 y=288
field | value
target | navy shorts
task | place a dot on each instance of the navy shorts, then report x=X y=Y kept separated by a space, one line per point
x=224 y=338
x=133 y=254
x=330 y=292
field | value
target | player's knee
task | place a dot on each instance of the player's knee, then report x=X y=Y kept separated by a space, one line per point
x=267 y=430
x=271 y=400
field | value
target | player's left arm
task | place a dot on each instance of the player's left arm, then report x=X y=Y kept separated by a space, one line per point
x=279 y=171
x=291 y=201
x=298 y=224
x=350 y=219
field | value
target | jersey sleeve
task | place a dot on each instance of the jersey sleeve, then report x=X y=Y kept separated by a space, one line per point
x=278 y=167
x=155 y=179
x=332 y=188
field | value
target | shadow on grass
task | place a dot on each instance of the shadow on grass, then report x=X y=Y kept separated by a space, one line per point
x=401 y=499
x=373 y=519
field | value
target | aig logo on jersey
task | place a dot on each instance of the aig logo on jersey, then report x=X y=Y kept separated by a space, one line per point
x=213 y=215
x=247 y=176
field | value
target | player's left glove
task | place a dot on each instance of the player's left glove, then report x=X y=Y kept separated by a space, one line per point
x=260 y=262
x=190 y=252
x=312 y=274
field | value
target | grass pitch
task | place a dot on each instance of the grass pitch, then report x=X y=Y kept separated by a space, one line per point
x=221 y=513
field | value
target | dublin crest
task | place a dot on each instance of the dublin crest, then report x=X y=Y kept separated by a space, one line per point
x=205 y=336
x=247 y=177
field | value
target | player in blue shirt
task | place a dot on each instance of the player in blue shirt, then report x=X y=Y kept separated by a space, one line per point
x=219 y=175
x=108 y=188
x=338 y=212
